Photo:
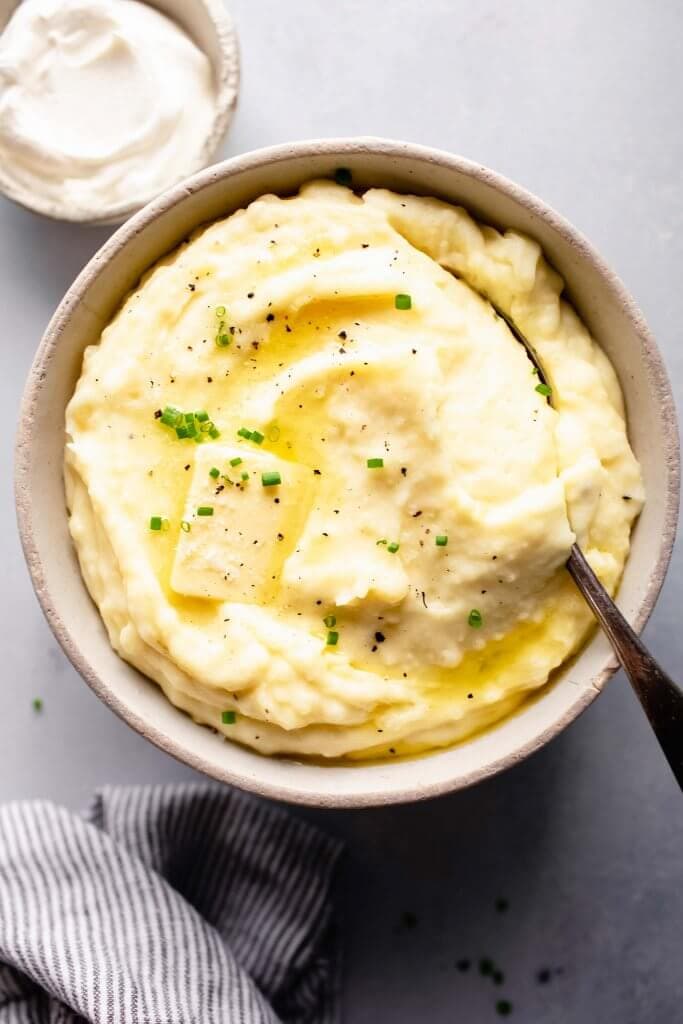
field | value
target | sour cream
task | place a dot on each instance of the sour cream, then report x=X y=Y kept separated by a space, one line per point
x=102 y=102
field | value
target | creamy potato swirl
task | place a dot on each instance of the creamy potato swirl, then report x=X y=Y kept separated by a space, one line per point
x=429 y=493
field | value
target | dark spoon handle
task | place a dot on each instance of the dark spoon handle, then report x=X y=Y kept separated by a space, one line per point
x=661 y=698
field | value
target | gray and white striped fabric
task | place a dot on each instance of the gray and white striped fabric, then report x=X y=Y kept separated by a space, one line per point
x=168 y=905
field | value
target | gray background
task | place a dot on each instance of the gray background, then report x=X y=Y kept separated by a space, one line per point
x=583 y=104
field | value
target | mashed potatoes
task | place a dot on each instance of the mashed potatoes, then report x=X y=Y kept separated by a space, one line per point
x=316 y=490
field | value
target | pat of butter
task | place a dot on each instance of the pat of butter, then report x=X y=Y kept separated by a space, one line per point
x=237 y=552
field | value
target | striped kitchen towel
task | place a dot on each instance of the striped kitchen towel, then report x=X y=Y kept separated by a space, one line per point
x=188 y=904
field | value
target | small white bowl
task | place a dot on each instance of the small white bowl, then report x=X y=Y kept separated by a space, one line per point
x=598 y=295
x=208 y=24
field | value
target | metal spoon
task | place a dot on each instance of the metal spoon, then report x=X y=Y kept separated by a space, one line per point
x=660 y=698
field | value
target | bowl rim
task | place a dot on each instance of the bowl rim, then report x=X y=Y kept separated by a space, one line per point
x=338 y=148
x=226 y=71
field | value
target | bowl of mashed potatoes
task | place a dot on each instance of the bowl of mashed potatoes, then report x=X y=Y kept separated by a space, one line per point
x=296 y=503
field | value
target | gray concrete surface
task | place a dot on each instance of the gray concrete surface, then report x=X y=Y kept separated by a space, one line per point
x=582 y=103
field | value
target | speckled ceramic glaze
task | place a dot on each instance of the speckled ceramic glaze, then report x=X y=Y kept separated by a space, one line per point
x=604 y=305
x=210 y=27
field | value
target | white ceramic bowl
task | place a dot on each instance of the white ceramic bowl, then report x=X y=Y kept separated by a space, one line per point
x=210 y=27
x=602 y=302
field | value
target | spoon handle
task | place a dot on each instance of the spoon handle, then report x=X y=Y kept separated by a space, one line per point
x=661 y=698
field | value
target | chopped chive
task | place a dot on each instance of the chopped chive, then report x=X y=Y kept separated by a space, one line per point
x=504 y=1007
x=343 y=176
x=393 y=547
x=182 y=432
x=403 y=301
x=330 y=620
x=222 y=340
x=37 y=703
x=188 y=417
x=169 y=416
x=271 y=478
x=214 y=472
x=214 y=432
x=236 y=461
x=475 y=619
x=375 y=463
x=228 y=717
x=185 y=526
x=251 y=435
x=205 y=510
x=245 y=475
x=220 y=311
x=332 y=638
x=534 y=371
x=383 y=541
x=155 y=523
x=441 y=540
x=201 y=416
x=191 y=430
x=544 y=389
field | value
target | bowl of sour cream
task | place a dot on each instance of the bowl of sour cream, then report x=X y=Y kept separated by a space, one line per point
x=104 y=104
